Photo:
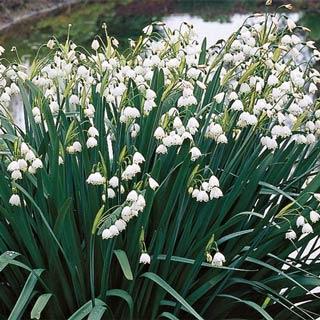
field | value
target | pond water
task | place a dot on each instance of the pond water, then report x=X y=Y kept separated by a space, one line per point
x=214 y=19
x=125 y=19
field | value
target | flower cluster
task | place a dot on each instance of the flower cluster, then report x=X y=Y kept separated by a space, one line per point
x=208 y=190
x=170 y=91
x=303 y=223
x=26 y=162
x=134 y=204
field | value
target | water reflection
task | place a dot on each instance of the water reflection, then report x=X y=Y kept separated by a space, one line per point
x=125 y=19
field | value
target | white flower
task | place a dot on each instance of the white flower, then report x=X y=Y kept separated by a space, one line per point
x=30 y=156
x=77 y=146
x=195 y=153
x=300 y=221
x=150 y=94
x=269 y=143
x=213 y=182
x=219 y=97
x=93 y=132
x=37 y=164
x=14 y=165
x=148 y=106
x=32 y=170
x=218 y=259
x=215 y=193
x=291 y=24
x=291 y=235
x=132 y=196
x=138 y=158
x=314 y=216
x=54 y=107
x=195 y=193
x=50 y=44
x=237 y=105
x=126 y=213
x=202 y=196
x=60 y=161
x=15 y=200
x=114 y=230
x=16 y=175
x=177 y=123
x=120 y=224
x=114 y=182
x=95 y=44
x=161 y=149
x=153 y=183
x=91 y=142
x=82 y=71
x=23 y=166
x=272 y=80
x=130 y=172
x=307 y=228
x=145 y=258
x=111 y=194
x=74 y=100
x=96 y=179
x=222 y=139
x=159 y=133
x=128 y=114
x=24 y=148
x=313 y=88
x=193 y=125
x=106 y=234
x=317 y=196
x=246 y=118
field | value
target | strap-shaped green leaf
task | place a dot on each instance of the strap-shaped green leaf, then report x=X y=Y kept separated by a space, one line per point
x=155 y=278
x=124 y=263
x=123 y=295
x=40 y=305
x=26 y=293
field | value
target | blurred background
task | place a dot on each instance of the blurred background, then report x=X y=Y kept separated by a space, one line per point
x=26 y=24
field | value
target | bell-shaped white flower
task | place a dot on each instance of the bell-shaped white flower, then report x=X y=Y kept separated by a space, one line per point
x=300 y=221
x=153 y=184
x=95 y=44
x=138 y=158
x=15 y=200
x=16 y=175
x=93 y=132
x=96 y=179
x=145 y=258
x=291 y=235
x=120 y=224
x=218 y=259
x=110 y=193
x=91 y=142
x=307 y=228
x=219 y=97
x=314 y=216
x=106 y=234
x=114 y=182
x=37 y=163
x=14 y=165
x=215 y=193
x=77 y=146
x=195 y=153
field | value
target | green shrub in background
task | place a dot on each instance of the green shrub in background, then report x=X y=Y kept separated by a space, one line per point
x=170 y=181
